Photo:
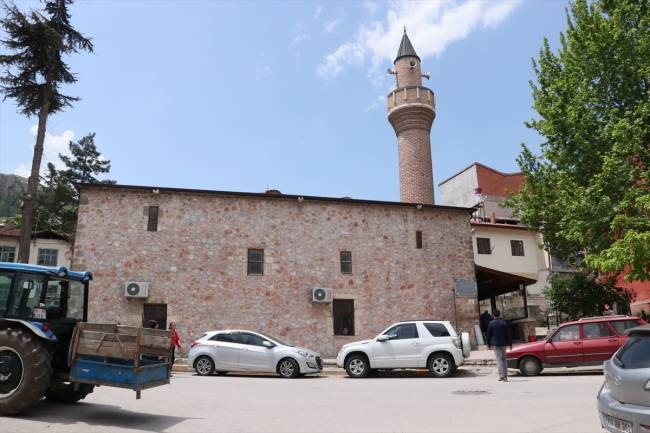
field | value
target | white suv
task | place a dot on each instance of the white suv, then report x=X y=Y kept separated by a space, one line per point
x=432 y=344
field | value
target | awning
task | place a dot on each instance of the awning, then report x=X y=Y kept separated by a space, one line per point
x=491 y=282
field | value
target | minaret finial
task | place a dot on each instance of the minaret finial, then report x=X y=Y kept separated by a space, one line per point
x=405 y=29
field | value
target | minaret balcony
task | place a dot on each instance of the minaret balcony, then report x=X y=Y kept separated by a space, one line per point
x=412 y=107
x=411 y=95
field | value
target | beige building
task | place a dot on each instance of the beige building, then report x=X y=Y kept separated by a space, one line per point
x=499 y=240
x=48 y=248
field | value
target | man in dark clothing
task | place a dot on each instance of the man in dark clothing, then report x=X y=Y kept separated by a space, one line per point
x=498 y=336
x=486 y=318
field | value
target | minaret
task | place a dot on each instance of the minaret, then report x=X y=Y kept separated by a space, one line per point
x=411 y=110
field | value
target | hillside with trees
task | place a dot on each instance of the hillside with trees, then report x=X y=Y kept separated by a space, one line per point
x=12 y=187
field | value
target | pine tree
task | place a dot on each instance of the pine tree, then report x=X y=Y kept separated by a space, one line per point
x=34 y=72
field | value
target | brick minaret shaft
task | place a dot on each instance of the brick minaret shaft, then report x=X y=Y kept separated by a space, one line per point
x=411 y=110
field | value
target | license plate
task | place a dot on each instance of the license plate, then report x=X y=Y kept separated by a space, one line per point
x=619 y=424
x=39 y=313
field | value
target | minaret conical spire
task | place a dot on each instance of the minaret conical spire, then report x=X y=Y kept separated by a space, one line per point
x=406 y=48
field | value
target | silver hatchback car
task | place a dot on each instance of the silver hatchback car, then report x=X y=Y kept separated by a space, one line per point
x=624 y=399
x=225 y=351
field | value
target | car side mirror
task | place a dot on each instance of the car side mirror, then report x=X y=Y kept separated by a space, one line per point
x=383 y=338
x=268 y=344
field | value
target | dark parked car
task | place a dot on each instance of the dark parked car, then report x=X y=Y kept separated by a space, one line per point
x=624 y=399
x=583 y=342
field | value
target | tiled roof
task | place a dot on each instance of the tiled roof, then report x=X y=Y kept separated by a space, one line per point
x=41 y=234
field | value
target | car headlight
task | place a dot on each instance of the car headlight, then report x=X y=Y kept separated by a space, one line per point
x=305 y=354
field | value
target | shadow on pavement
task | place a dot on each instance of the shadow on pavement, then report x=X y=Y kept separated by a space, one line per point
x=101 y=415
x=255 y=375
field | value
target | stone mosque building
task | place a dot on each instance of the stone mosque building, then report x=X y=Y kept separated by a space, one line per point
x=234 y=260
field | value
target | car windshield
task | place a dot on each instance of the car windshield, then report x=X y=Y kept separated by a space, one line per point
x=276 y=339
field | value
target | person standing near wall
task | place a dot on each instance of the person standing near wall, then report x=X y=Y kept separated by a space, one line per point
x=499 y=338
x=176 y=344
x=486 y=318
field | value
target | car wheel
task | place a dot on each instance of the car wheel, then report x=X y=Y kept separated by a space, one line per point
x=288 y=368
x=441 y=365
x=204 y=366
x=357 y=366
x=222 y=373
x=530 y=366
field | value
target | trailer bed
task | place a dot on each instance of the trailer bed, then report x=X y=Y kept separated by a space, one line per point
x=120 y=356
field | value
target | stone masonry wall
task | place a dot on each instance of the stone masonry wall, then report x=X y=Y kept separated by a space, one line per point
x=196 y=262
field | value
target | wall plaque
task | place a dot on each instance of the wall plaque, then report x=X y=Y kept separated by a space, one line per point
x=465 y=287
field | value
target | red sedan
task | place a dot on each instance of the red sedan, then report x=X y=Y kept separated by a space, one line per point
x=584 y=342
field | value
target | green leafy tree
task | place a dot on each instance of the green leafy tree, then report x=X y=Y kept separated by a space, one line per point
x=589 y=190
x=34 y=73
x=583 y=294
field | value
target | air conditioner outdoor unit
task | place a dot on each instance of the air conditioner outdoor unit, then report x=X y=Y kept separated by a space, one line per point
x=134 y=289
x=318 y=294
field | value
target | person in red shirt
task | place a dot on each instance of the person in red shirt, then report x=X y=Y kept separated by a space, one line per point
x=176 y=344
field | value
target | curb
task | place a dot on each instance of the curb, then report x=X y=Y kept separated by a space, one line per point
x=479 y=370
x=335 y=371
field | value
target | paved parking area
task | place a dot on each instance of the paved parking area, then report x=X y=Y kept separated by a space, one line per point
x=232 y=403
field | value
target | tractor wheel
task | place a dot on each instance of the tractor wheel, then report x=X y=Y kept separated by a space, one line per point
x=24 y=370
x=66 y=394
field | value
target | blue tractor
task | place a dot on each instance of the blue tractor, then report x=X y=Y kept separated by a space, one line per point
x=39 y=310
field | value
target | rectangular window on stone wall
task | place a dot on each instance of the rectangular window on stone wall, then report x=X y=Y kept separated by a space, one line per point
x=483 y=246
x=7 y=254
x=255 y=262
x=418 y=239
x=157 y=312
x=47 y=257
x=346 y=262
x=343 y=311
x=517 y=247
x=152 y=224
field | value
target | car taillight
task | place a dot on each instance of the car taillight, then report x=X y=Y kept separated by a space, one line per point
x=456 y=342
x=196 y=343
x=46 y=327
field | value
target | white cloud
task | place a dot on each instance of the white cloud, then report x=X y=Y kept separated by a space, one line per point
x=432 y=25
x=52 y=146
x=318 y=11
x=301 y=35
x=381 y=100
x=23 y=171
x=331 y=25
x=300 y=38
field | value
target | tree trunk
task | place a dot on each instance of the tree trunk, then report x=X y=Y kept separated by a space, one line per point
x=29 y=204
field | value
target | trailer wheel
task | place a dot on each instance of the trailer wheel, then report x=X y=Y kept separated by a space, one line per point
x=66 y=394
x=25 y=369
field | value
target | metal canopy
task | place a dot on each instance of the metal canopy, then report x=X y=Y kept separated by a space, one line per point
x=491 y=282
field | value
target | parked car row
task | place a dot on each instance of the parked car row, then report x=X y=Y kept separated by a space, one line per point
x=431 y=344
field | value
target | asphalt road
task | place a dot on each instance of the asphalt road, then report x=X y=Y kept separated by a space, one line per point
x=547 y=403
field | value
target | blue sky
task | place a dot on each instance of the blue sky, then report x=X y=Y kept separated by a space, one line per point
x=245 y=95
